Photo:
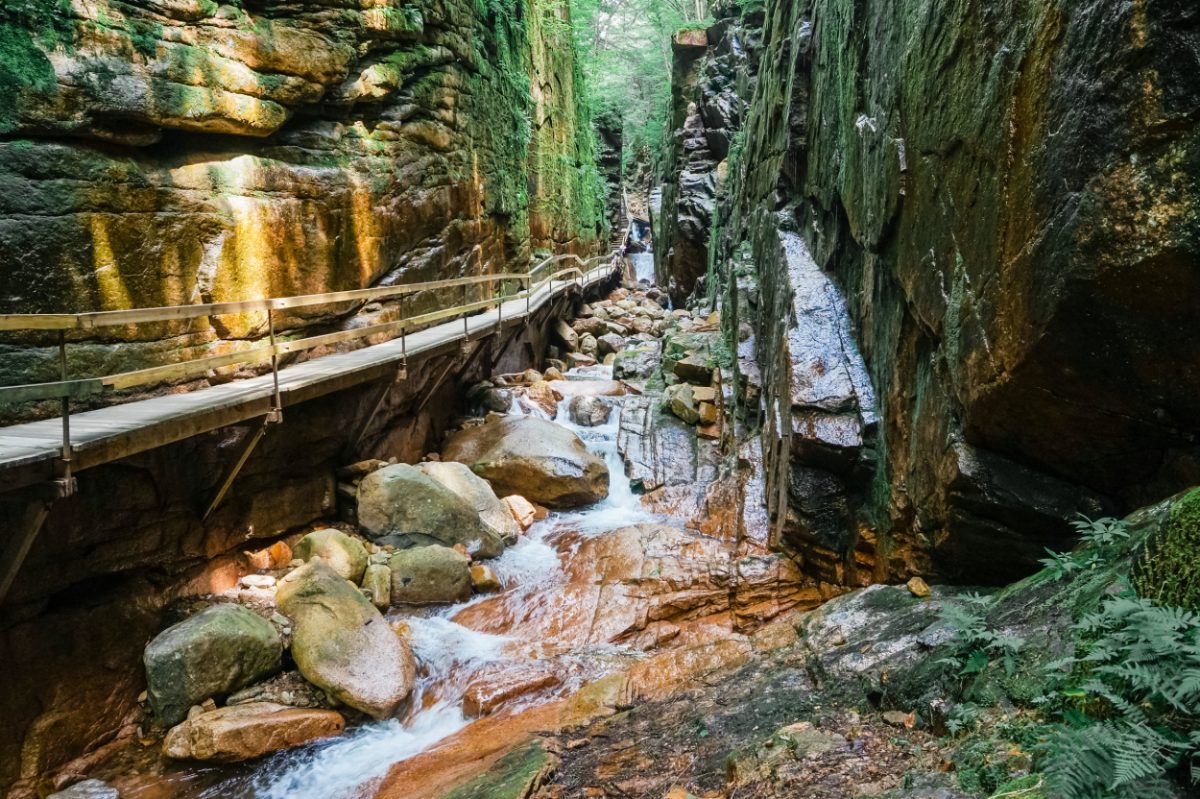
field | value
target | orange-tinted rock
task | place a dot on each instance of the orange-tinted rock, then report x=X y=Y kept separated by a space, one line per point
x=484 y=580
x=491 y=689
x=243 y=732
x=522 y=510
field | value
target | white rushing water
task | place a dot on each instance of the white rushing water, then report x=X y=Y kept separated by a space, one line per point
x=643 y=266
x=448 y=654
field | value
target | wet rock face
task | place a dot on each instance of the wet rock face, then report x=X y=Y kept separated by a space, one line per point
x=1006 y=216
x=167 y=153
x=711 y=70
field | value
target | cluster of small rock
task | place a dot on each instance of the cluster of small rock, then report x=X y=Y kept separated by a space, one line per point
x=604 y=328
x=285 y=656
x=693 y=377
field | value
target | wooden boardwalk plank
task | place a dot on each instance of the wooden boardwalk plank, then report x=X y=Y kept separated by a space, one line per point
x=106 y=434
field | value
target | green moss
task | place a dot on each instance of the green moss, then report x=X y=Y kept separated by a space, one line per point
x=513 y=777
x=27 y=29
x=1168 y=571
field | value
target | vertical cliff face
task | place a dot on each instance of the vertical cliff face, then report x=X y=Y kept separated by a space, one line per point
x=164 y=153
x=711 y=83
x=1004 y=203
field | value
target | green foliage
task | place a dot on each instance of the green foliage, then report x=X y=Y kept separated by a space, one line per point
x=625 y=51
x=1101 y=540
x=975 y=644
x=996 y=757
x=1169 y=570
x=1135 y=705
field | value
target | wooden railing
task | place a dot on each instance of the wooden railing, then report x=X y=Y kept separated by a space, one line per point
x=73 y=389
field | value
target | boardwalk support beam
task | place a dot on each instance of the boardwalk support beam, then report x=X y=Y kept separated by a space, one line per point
x=243 y=455
x=16 y=548
x=377 y=403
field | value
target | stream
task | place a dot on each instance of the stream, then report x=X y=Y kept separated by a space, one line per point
x=526 y=628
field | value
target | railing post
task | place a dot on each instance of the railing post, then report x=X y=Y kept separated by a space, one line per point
x=276 y=414
x=403 y=331
x=466 y=332
x=65 y=410
x=499 y=304
x=528 y=291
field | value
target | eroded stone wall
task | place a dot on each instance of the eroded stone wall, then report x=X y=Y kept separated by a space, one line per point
x=1006 y=197
x=168 y=153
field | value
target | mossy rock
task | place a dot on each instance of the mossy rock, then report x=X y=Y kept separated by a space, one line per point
x=1168 y=569
x=515 y=776
x=213 y=653
x=342 y=553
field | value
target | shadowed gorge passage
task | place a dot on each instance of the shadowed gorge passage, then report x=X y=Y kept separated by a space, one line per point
x=597 y=399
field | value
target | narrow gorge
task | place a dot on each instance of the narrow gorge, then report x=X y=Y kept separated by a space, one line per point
x=539 y=399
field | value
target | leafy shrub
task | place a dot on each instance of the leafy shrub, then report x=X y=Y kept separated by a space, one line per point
x=975 y=643
x=1099 y=539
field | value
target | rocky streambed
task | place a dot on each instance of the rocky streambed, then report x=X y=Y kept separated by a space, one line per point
x=588 y=529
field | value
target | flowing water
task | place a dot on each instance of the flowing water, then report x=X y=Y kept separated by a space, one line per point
x=643 y=266
x=529 y=630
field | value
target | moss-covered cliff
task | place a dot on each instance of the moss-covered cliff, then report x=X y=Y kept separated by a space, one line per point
x=164 y=153
x=1005 y=197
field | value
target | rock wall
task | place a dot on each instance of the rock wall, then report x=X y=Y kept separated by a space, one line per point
x=159 y=153
x=1005 y=202
x=156 y=153
x=711 y=83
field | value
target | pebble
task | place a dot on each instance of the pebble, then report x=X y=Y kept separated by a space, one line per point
x=259 y=581
x=919 y=587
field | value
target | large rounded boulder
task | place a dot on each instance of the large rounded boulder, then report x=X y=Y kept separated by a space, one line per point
x=477 y=493
x=539 y=460
x=342 y=644
x=429 y=575
x=342 y=553
x=410 y=507
x=215 y=652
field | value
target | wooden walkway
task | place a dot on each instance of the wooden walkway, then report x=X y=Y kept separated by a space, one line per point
x=28 y=452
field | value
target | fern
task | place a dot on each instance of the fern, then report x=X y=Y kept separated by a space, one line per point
x=1138 y=703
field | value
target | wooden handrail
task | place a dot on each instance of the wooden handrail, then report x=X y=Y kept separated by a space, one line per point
x=174 y=313
x=260 y=353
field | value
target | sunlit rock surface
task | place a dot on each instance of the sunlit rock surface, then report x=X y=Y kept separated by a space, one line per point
x=187 y=152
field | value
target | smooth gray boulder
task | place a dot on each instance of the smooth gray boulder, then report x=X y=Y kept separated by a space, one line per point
x=405 y=504
x=342 y=644
x=477 y=493
x=430 y=575
x=344 y=554
x=542 y=461
x=215 y=652
x=588 y=411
